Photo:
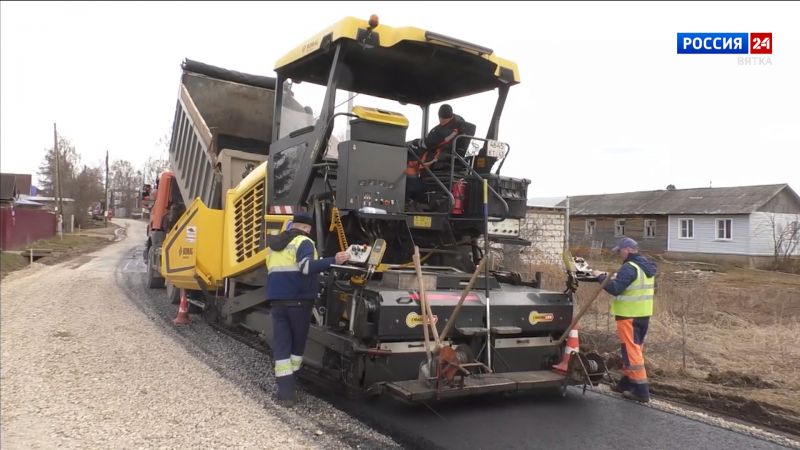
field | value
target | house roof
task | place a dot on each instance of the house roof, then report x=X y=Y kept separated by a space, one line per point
x=8 y=188
x=20 y=181
x=548 y=202
x=722 y=200
x=26 y=202
x=46 y=199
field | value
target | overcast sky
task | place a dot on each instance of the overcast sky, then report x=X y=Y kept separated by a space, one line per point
x=605 y=103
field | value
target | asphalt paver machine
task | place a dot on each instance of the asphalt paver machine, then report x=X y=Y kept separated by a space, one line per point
x=419 y=312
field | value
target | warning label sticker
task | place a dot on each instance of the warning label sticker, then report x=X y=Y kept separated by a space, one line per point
x=191 y=234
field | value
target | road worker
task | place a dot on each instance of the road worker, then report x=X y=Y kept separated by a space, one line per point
x=633 y=288
x=429 y=151
x=292 y=268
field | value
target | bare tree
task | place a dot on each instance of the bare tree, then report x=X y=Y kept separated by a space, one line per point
x=785 y=238
x=153 y=168
x=125 y=184
x=88 y=189
x=80 y=182
x=155 y=165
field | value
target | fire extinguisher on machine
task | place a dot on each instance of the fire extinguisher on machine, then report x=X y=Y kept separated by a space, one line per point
x=459 y=190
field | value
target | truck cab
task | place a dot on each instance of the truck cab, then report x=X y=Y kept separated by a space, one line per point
x=167 y=206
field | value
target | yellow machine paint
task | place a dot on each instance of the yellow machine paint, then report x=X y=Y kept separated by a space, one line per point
x=216 y=244
x=348 y=27
x=243 y=223
x=191 y=249
x=380 y=116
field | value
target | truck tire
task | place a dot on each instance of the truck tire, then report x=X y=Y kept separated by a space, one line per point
x=154 y=279
x=173 y=294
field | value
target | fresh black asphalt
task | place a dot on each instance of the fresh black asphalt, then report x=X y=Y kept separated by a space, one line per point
x=590 y=421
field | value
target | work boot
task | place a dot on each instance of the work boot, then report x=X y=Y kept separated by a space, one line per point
x=284 y=402
x=624 y=384
x=631 y=396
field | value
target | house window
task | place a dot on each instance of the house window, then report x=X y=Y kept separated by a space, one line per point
x=724 y=229
x=687 y=228
x=619 y=227
x=650 y=228
x=590 y=224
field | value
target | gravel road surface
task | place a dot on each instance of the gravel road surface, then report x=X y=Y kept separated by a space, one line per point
x=83 y=367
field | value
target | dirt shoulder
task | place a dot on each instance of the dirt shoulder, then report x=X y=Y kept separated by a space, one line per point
x=58 y=249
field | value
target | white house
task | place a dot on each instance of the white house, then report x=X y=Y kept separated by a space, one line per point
x=744 y=224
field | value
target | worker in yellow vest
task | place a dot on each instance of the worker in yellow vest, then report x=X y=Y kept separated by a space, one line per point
x=292 y=284
x=633 y=288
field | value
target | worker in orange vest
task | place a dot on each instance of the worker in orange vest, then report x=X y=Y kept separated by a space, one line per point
x=633 y=288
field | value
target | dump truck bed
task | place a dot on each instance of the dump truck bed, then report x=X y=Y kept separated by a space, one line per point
x=218 y=112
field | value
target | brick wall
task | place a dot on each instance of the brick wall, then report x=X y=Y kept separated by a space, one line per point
x=544 y=227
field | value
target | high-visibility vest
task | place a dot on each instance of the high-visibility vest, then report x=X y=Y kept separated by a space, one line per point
x=637 y=299
x=286 y=260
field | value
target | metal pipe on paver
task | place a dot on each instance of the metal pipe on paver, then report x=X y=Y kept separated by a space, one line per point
x=486 y=273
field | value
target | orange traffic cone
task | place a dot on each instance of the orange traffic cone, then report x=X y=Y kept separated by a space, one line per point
x=573 y=345
x=183 y=311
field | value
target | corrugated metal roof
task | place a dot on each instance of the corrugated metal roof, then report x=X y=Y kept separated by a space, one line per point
x=26 y=202
x=722 y=200
x=46 y=199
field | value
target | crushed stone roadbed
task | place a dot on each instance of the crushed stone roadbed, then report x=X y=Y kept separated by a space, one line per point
x=82 y=367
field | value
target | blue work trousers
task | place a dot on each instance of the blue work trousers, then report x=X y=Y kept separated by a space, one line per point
x=290 y=326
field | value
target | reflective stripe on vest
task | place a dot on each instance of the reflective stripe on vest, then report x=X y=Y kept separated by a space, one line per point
x=286 y=260
x=637 y=299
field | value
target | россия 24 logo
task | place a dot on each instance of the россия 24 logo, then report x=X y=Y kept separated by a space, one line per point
x=725 y=43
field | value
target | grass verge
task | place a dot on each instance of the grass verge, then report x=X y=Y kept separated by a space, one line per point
x=10 y=262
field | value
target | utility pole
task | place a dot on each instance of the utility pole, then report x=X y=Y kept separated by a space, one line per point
x=58 y=183
x=105 y=213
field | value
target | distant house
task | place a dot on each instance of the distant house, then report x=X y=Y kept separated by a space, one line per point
x=22 y=220
x=14 y=185
x=735 y=224
x=8 y=188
